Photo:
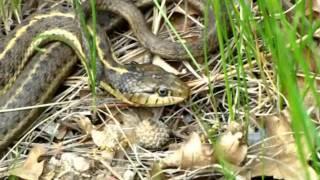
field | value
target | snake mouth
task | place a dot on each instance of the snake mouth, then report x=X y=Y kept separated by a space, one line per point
x=154 y=100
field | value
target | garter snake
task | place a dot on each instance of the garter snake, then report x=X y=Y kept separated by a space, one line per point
x=30 y=78
x=27 y=79
x=163 y=48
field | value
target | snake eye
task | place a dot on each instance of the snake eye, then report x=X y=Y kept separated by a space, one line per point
x=162 y=91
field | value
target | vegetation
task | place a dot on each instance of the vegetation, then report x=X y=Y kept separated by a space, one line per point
x=255 y=99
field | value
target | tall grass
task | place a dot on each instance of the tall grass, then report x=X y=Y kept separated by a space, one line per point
x=260 y=38
x=89 y=42
x=287 y=54
x=8 y=9
x=270 y=31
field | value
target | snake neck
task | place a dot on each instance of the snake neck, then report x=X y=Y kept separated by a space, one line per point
x=163 y=48
x=105 y=55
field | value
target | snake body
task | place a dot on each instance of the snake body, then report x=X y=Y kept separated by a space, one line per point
x=163 y=48
x=32 y=88
x=28 y=77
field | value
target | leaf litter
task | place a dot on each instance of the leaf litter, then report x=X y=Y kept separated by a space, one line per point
x=79 y=145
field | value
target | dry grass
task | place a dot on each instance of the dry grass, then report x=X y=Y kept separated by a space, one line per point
x=203 y=111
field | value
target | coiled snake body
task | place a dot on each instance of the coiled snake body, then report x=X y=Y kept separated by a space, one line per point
x=29 y=78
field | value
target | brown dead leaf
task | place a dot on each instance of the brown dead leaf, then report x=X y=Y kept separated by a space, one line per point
x=134 y=125
x=277 y=157
x=74 y=161
x=316 y=34
x=191 y=154
x=234 y=127
x=108 y=138
x=230 y=148
x=68 y=165
x=85 y=124
x=194 y=153
x=31 y=169
x=315 y=7
x=130 y=118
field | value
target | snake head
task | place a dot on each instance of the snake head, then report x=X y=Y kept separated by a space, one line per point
x=149 y=85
